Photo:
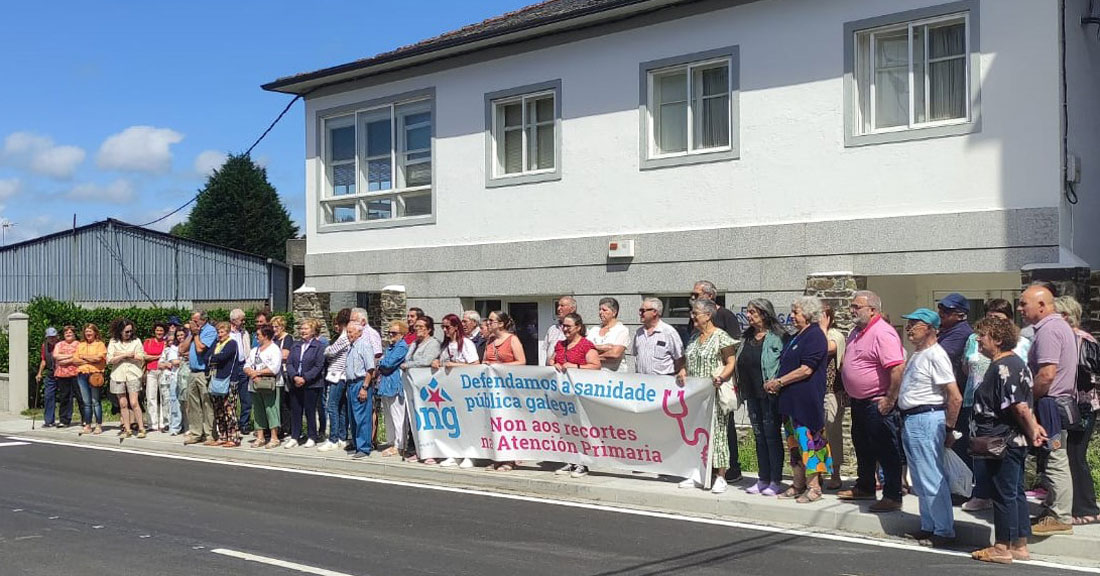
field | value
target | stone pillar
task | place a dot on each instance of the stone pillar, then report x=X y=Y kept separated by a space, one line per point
x=1068 y=280
x=19 y=377
x=308 y=303
x=836 y=290
x=374 y=310
x=393 y=305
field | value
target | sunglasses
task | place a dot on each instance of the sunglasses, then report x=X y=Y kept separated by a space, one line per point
x=392 y=332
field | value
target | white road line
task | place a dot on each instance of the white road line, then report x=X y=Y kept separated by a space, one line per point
x=6 y=444
x=279 y=563
x=861 y=540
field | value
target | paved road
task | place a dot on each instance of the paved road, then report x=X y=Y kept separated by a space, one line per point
x=89 y=512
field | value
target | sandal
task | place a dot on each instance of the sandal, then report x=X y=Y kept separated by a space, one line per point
x=141 y=434
x=810 y=495
x=257 y=443
x=98 y=430
x=273 y=443
x=1083 y=520
x=506 y=467
x=991 y=554
x=791 y=493
x=389 y=452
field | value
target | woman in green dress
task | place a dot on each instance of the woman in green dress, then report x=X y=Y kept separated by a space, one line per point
x=709 y=355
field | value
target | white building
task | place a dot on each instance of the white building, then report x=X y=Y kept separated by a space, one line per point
x=919 y=144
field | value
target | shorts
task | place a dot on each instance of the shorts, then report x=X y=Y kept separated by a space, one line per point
x=122 y=387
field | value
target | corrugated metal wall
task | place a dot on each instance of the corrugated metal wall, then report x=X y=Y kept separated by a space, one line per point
x=110 y=263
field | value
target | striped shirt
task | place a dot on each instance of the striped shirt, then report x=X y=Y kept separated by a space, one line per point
x=657 y=352
x=337 y=355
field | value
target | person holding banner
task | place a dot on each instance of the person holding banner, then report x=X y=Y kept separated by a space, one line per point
x=709 y=355
x=575 y=351
x=422 y=352
x=801 y=390
x=457 y=350
x=391 y=389
x=502 y=346
x=758 y=362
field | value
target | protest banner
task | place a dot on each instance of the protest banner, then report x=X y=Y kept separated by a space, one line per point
x=603 y=419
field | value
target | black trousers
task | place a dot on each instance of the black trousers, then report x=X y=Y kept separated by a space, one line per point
x=1077 y=445
x=877 y=441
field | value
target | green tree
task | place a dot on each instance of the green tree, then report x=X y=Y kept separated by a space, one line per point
x=239 y=208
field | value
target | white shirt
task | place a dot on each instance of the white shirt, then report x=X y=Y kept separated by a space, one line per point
x=618 y=335
x=658 y=352
x=270 y=358
x=926 y=373
x=169 y=355
x=467 y=355
x=244 y=343
x=554 y=334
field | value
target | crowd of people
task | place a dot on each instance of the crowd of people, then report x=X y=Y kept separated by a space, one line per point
x=991 y=393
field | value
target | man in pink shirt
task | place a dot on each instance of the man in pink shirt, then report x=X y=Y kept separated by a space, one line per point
x=874 y=361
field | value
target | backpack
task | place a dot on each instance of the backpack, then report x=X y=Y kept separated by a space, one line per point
x=1088 y=365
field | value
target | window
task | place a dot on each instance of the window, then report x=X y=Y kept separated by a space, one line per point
x=688 y=108
x=523 y=134
x=378 y=163
x=911 y=74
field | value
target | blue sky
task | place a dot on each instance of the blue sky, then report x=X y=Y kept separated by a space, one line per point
x=119 y=108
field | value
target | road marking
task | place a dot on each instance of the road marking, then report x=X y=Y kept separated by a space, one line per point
x=279 y=563
x=7 y=444
x=861 y=540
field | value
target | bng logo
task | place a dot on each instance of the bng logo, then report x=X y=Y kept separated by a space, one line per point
x=437 y=417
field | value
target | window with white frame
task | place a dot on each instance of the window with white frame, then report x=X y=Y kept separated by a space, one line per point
x=690 y=108
x=913 y=74
x=378 y=163
x=524 y=134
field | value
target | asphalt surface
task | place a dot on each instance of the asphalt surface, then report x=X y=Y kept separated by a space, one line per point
x=90 y=512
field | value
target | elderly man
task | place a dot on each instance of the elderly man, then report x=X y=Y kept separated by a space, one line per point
x=929 y=401
x=238 y=334
x=874 y=361
x=658 y=348
x=45 y=374
x=471 y=324
x=200 y=410
x=566 y=306
x=359 y=370
x=1053 y=362
x=724 y=319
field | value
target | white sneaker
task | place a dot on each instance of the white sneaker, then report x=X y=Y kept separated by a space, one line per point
x=448 y=463
x=976 y=504
x=689 y=483
x=290 y=443
x=326 y=446
x=564 y=470
x=341 y=445
x=719 y=486
x=579 y=471
x=309 y=443
x=466 y=463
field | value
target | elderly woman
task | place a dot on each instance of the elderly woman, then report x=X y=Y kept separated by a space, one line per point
x=127 y=359
x=1085 y=510
x=611 y=338
x=422 y=352
x=305 y=368
x=502 y=346
x=836 y=399
x=757 y=362
x=575 y=351
x=1002 y=415
x=801 y=390
x=65 y=373
x=263 y=369
x=391 y=389
x=285 y=342
x=223 y=363
x=710 y=354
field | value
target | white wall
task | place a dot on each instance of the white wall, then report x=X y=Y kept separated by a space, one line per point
x=793 y=166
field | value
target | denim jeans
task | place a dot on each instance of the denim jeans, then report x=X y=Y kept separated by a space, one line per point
x=766 y=428
x=362 y=433
x=91 y=398
x=49 y=391
x=337 y=408
x=877 y=441
x=1006 y=482
x=923 y=436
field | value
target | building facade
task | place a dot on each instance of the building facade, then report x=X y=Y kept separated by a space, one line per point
x=628 y=148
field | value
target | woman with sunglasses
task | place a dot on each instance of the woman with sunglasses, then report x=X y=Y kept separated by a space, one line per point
x=457 y=350
x=126 y=355
x=422 y=352
x=391 y=389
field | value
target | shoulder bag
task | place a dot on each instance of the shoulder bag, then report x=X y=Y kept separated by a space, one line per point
x=987 y=447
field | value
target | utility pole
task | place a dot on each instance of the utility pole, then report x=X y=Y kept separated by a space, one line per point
x=4 y=225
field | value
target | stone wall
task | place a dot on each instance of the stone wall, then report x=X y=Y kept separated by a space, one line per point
x=836 y=290
x=392 y=305
x=1068 y=281
x=309 y=303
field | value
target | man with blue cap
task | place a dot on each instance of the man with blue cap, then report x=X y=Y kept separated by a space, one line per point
x=929 y=401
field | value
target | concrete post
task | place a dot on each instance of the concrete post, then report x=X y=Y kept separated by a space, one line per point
x=18 y=369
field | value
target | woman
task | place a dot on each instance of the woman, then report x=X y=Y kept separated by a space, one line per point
x=126 y=356
x=156 y=404
x=1002 y=411
x=503 y=346
x=422 y=352
x=836 y=399
x=65 y=373
x=306 y=370
x=169 y=364
x=758 y=362
x=801 y=390
x=1085 y=510
x=575 y=351
x=710 y=354
x=457 y=350
x=611 y=338
x=223 y=364
x=91 y=362
x=263 y=370
x=285 y=342
x=391 y=388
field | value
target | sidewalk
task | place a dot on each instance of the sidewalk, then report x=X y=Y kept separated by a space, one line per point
x=625 y=490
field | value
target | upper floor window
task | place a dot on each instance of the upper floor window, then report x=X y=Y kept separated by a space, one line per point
x=912 y=72
x=378 y=163
x=689 y=106
x=523 y=127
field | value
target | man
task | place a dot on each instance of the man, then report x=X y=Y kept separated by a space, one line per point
x=374 y=339
x=657 y=348
x=954 y=331
x=1053 y=363
x=471 y=324
x=873 y=364
x=929 y=401
x=413 y=315
x=566 y=306
x=263 y=318
x=200 y=409
x=360 y=374
x=724 y=319
x=45 y=377
x=238 y=334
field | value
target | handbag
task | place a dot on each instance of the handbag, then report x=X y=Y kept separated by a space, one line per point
x=264 y=383
x=220 y=386
x=727 y=396
x=987 y=447
x=95 y=379
x=1070 y=413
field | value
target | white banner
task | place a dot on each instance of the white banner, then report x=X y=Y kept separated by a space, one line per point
x=602 y=419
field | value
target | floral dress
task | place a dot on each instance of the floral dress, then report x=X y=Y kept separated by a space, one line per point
x=703 y=359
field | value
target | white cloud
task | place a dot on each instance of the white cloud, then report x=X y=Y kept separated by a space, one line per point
x=139 y=149
x=208 y=161
x=9 y=188
x=39 y=154
x=117 y=192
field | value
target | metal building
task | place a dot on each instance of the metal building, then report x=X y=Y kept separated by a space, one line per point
x=111 y=262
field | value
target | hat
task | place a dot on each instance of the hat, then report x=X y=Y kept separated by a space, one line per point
x=924 y=315
x=51 y=332
x=174 y=321
x=955 y=301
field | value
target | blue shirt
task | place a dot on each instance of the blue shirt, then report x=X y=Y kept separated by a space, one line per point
x=208 y=335
x=360 y=359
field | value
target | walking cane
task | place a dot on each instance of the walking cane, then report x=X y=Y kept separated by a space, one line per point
x=35 y=405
